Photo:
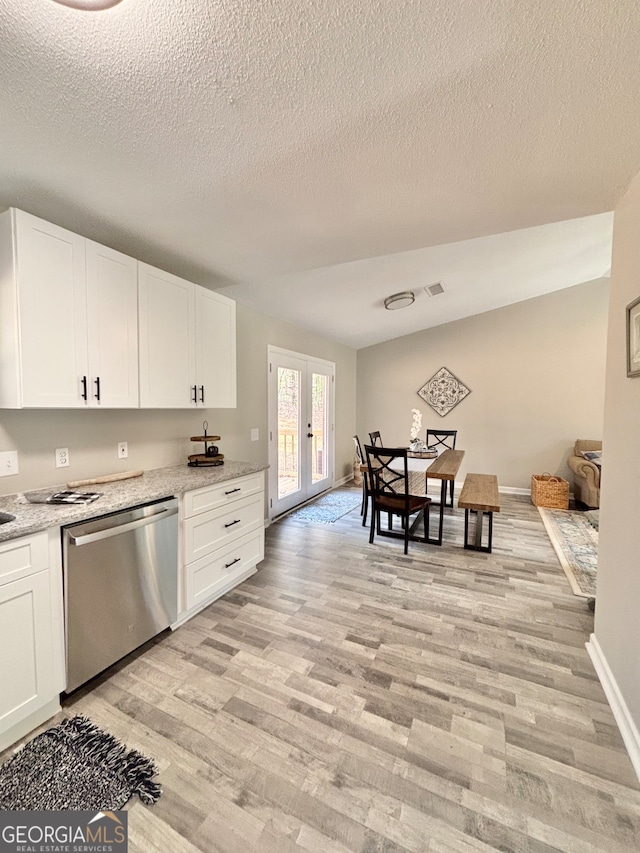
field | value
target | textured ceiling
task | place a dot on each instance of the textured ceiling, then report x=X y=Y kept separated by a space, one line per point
x=313 y=157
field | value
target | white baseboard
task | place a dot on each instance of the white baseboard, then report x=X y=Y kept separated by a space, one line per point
x=621 y=713
x=343 y=481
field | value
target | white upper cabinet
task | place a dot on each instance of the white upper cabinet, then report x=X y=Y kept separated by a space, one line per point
x=166 y=306
x=112 y=309
x=68 y=318
x=187 y=343
x=215 y=350
x=82 y=325
x=43 y=313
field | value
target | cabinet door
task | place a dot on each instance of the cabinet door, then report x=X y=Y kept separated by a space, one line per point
x=215 y=349
x=112 y=310
x=26 y=662
x=53 y=313
x=166 y=307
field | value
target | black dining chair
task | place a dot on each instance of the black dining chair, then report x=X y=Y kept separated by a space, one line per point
x=365 y=480
x=389 y=486
x=375 y=439
x=443 y=439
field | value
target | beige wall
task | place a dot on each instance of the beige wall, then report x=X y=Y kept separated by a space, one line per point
x=618 y=589
x=160 y=437
x=536 y=373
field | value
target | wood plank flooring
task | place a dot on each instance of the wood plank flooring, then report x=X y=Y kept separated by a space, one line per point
x=349 y=698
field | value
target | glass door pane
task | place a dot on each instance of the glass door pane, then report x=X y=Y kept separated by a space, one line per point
x=319 y=426
x=288 y=404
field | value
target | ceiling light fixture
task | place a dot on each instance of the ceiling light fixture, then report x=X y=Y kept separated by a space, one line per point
x=399 y=300
x=88 y=5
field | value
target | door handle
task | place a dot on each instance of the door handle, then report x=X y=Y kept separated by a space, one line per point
x=309 y=435
x=202 y=393
x=97 y=388
x=231 y=523
x=194 y=399
x=84 y=388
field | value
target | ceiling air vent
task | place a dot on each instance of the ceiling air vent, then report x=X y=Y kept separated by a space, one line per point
x=434 y=289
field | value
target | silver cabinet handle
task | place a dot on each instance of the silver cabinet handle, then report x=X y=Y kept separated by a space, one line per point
x=120 y=528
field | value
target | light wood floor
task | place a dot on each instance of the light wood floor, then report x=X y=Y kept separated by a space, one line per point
x=349 y=698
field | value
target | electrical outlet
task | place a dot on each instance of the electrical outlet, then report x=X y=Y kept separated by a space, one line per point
x=8 y=463
x=123 y=450
x=255 y=434
x=62 y=457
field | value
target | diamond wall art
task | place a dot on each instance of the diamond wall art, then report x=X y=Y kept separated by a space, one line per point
x=443 y=391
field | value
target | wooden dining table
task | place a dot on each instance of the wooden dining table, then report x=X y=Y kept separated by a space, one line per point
x=444 y=468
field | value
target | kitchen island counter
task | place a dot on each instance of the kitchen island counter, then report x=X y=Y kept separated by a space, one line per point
x=152 y=485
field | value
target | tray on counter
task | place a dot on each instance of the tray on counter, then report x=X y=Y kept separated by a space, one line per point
x=63 y=497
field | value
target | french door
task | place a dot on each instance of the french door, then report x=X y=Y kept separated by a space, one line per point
x=301 y=428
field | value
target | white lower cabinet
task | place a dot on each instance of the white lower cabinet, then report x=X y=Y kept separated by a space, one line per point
x=221 y=547
x=31 y=632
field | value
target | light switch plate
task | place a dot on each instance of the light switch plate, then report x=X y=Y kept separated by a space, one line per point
x=255 y=434
x=8 y=463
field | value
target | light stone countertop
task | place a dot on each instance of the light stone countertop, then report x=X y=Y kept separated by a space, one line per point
x=152 y=485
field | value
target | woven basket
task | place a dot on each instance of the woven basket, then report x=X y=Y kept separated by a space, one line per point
x=549 y=491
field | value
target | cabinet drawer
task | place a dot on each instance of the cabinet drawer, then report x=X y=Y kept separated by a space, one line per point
x=20 y=558
x=215 y=572
x=204 y=533
x=212 y=497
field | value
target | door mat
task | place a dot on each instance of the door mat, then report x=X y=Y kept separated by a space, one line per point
x=575 y=542
x=76 y=766
x=328 y=508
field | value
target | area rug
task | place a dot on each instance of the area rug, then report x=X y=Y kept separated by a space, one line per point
x=75 y=766
x=593 y=517
x=328 y=508
x=575 y=541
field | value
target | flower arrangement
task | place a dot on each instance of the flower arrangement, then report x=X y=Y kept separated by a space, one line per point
x=416 y=426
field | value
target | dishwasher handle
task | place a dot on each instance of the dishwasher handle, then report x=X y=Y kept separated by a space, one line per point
x=120 y=528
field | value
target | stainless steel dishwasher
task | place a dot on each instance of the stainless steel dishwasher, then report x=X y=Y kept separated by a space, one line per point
x=120 y=585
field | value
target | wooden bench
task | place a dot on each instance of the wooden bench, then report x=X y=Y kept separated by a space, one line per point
x=480 y=495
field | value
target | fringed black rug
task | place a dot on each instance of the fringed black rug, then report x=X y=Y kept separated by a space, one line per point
x=76 y=766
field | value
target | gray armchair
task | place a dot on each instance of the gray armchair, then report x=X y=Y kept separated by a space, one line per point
x=586 y=480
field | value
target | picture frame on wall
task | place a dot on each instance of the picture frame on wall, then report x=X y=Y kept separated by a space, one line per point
x=633 y=338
